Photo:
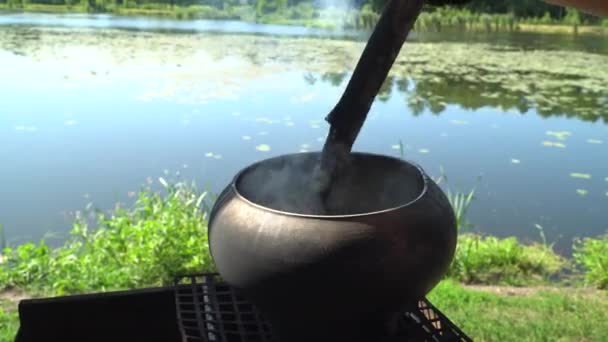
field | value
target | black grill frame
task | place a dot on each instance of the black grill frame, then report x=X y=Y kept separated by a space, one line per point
x=210 y=310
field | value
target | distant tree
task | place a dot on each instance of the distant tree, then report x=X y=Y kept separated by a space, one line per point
x=270 y=6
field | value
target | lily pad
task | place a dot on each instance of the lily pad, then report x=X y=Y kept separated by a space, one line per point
x=217 y=156
x=515 y=161
x=560 y=135
x=209 y=154
x=595 y=141
x=580 y=175
x=424 y=150
x=246 y=137
x=553 y=144
x=396 y=147
x=263 y=148
x=582 y=192
x=459 y=122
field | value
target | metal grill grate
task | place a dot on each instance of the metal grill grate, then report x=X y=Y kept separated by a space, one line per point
x=209 y=310
x=435 y=324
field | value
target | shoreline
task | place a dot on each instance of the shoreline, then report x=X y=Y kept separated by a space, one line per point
x=193 y=13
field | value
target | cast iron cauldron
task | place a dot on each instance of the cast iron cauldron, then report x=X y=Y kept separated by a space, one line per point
x=337 y=276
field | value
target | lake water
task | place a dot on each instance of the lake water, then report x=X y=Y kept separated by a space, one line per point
x=93 y=107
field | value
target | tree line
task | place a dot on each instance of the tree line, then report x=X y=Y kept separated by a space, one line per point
x=517 y=8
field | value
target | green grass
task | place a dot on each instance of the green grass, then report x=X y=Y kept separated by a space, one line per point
x=9 y=321
x=591 y=255
x=550 y=315
x=490 y=260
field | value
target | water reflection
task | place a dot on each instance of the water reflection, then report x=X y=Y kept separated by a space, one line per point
x=436 y=92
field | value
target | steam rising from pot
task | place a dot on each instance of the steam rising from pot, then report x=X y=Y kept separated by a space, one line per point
x=291 y=183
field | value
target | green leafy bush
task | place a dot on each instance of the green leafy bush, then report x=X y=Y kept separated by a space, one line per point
x=491 y=260
x=592 y=255
x=146 y=245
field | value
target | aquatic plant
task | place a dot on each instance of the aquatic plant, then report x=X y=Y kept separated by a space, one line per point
x=2 y=239
x=460 y=203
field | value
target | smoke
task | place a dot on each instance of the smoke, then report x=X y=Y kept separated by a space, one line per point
x=336 y=11
x=339 y=4
x=293 y=183
x=286 y=184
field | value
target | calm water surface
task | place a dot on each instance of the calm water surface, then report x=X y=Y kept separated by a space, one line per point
x=90 y=114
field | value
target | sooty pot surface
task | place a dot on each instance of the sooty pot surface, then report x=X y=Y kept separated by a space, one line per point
x=383 y=239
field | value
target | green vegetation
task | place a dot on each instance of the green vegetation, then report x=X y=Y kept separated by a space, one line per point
x=544 y=314
x=592 y=256
x=460 y=203
x=142 y=246
x=490 y=260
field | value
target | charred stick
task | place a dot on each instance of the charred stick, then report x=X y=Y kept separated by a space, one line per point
x=349 y=114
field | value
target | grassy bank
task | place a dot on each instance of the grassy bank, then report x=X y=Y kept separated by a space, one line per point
x=544 y=314
x=164 y=233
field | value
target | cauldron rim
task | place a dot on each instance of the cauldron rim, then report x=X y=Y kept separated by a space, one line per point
x=422 y=174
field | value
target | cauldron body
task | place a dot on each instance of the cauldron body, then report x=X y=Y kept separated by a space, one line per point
x=340 y=276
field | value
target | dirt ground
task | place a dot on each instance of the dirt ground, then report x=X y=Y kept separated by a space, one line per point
x=533 y=290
